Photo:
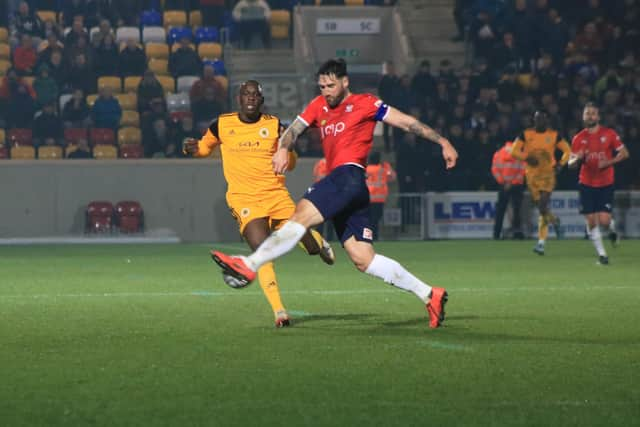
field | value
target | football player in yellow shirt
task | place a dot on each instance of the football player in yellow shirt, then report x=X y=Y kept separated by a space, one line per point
x=257 y=197
x=537 y=147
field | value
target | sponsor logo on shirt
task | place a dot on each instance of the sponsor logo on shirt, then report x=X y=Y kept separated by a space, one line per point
x=349 y=108
x=332 y=129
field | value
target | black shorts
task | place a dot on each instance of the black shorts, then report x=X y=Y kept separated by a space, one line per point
x=595 y=199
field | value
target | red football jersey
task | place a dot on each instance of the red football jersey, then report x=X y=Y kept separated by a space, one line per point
x=346 y=130
x=602 y=144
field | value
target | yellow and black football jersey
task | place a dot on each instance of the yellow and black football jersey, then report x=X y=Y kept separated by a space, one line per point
x=542 y=146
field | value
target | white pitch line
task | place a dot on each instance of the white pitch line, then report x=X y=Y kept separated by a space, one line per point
x=306 y=292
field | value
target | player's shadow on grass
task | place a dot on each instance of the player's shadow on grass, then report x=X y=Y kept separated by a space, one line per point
x=342 y=317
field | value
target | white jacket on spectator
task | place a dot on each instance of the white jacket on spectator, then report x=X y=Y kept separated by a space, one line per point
x=246 y=10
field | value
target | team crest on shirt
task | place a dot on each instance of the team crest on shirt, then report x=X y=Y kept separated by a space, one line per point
x=547 y=140
x=367 y=233
x=245 y=212
x=325 y=109
x=349 y=108
x=264 y=132
x=322 y=123
x=603 y=139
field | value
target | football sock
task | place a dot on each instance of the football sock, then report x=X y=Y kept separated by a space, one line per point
x=612 y=226
x=269 y=285
x=596 y=238
x=278 y=243
x=543 y=229
x=394 y=274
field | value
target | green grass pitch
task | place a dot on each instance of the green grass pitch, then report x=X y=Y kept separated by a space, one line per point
x=149 y=335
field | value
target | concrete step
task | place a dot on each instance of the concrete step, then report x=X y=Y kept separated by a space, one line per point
x=263 y=61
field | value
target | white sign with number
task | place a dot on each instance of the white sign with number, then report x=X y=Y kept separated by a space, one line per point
x=348 y=26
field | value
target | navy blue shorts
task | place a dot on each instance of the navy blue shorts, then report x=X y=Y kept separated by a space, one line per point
x=595 y=199
x=343 y=197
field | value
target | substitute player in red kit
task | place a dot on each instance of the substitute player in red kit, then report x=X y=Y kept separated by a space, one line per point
x=596 y=149
x=346 y=123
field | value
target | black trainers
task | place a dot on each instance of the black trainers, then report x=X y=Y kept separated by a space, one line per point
x=614 y=238
x=603 y=260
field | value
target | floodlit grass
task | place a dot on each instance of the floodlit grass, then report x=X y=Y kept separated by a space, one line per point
x=149 y=335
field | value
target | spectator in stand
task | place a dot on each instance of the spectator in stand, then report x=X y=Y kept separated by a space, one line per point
x=24 y=56
x=185 y=61
x=104 y=30
x=133 y=61
x=387 y=88
x=76 y=113
x=47 y=127
x=47 y=47
x=206 y=109
x=158 y=142
x=252 y=17
x=212 y=12
x=46 y=87
x=82 y=150
x=483 y=34
x=423 y=84
x=24 y=21
x=106 y=111
x=10 y=83
x=50 y=27
x=81 y=75
x=22 y=107
x=80 y=46
x=158 y=111
x=106 y=57
x=461 y=11
x=77 y=31
x=149 y=89
x=208 y=80
x=186 y=129
x=589 y=43
x=4 y=14
x=128 y=12
x=506 y=54
x=57 y=68
x=610 y=80
x=73 y=8
x=555 y=36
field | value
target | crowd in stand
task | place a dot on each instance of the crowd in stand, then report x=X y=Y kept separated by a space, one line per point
x=555 y=55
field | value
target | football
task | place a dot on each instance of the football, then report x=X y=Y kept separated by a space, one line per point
x=234 y=282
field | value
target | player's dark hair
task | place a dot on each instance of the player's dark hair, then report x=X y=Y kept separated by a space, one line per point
x=336 y=67
x=251 y=82
x=591 y=104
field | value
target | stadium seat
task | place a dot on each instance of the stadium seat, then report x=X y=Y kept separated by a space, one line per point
x=130 y=118
x=127 y=101
x=175 y=18
x=62 y=100
x=115 y=83
x=19 y=136
x=207 y=34
x=157 y=50
x=129 y=216
x=132 y=151
x=99 y=217
x=47 y=152
x=224 y=81
x=210 y=50
x=354 y=2
x=131 y=84
x=4 y=66
x=73 y=135
x=5 y=51
x=91 y=99
x=70 y=148
x=176 y=46
x=178 y=102
x=195 y=18
x=280 y=23
x=2 y=137
x=154 y=35
x=126 y=33
x=102 y=136
x=177 y=33
x=23 y=152
x=168 y=83
x=218 y=66
x=4 y=35
x=184 y=83
x=4 y=152
x=105 y=151
x=129 y=135
x=150 y=18
x=159 y=66
x=47 y=15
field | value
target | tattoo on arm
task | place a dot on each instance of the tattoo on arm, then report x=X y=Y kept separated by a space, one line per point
x=289 y=136
x=424 y=131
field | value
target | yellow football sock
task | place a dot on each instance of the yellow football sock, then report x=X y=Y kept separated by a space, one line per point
x=269 y=285
x=543 y=228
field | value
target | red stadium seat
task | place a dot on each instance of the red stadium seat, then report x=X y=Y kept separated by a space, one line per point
x=73 y=135
x=102 y=136
x=99 y=217
x=20 y=137
x=129 y=216
x=131 y=151
x=177 y=116
x=4 y=153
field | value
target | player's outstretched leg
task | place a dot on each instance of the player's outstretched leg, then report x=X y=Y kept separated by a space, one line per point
x=314 y=244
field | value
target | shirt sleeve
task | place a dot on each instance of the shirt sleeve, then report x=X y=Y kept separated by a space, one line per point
x=209 y=140
x=309 y=115
x=375 y=108
x=517 y=150
x=575 y=144
x=617 y=141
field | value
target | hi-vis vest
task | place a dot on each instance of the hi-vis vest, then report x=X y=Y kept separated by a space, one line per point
x=377 y=178
x=505 y=168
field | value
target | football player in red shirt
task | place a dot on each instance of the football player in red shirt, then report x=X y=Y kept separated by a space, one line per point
x=346 y=123
x=596 y=149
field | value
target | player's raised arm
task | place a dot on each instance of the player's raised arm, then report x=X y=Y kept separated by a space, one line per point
x=517 y=151
x=397 y=118
x=563 y=146
x=285 y=144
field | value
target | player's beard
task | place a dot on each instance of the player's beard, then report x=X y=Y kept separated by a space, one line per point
x=335 y=101
x=592 y=124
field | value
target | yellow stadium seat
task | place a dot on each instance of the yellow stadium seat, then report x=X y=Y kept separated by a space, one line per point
x=91 y=99
x=223 y=80
x=168 y=83
x=157 y=50
x=49 y=152
x=4 y=35
x=174 y=18
x=5 y=51
x=354 y=2
x=130 y=118
x=129 y=135
x=195 y=18
x=3 y=136
x=279 y=32
x=47 y=15
x=281 y=17
x=23 y=152
x=4 y=66
x=70 y=148
x=105 y=151
x=127 y=101
x=176 y=46
x=110 y=81
x=524 y=80
x=131 y=83
x=159 y=66
x=210 y=50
